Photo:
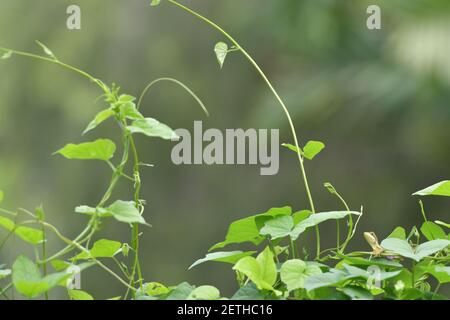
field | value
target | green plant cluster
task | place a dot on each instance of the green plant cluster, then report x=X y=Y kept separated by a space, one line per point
x=405 y=265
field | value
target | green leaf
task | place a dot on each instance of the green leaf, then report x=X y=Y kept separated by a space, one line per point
x=337 y=277
x=325 y=293
x=101 y=249
x=125 y=98
x=152 y=128
x=4 y=273
x=227 y=257
x=294 y=272
x=101 y=149
x=381 y=262
x=399 y=246
x=125 y=211
x=403 y=248
x=2 y=195
x=439 y=271
x=398 y=233
x=46 y=49
x=221 y=50
x=432 y=231
x=181 y=292
x=447 y=225
x=312 y=148
x=204 y=293
x=101 y=212
x=27 y=278
x=431 y=247
x=268 y=266
x=99 y=118
x=301 y=215
x=357 y=293
x=439 y=189
x=154 y=3
x=6 y=55
x=60 y=265
x=361 y=273
x=248 y=292
x=40 y=213
x=261 y=271
x=318 y=218
x=28 y=281
x=291 y=147
x=327 y=279
x=6 y=223
x=129 y=110
x=30 y=235
x=278 y=227
x=79 y=295
x=155 y=289
x=250 y=267
x=246 y=230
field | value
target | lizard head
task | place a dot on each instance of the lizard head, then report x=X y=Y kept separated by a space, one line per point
x=371 y=237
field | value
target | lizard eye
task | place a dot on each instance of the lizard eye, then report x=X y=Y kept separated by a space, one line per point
x=374 y=235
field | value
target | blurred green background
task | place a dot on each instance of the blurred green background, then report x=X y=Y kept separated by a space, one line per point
x=378 y=99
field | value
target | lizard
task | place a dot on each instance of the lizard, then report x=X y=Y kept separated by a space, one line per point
x=377 y=249
x=372 y=239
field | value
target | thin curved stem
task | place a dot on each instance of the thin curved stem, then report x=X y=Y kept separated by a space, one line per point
x=83 y=249
x=181 y=84
x=62 y=64
x=340 y=248
x=66 y=249
x=278 y=98
x=3 y=291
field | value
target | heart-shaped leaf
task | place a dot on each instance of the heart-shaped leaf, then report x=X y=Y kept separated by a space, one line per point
x=403 y=248
x=152 y=128
x=246 y=230
x=439 y=189
x=101 y=249
x=318 y=218
x=221 y=50
x=227 y=257
x=204 y=293
x=99 y=118
x=294 y=272
x=278 y=227
x=101 y=149
x=261 y=271
x=312 y=148
x=125 y=211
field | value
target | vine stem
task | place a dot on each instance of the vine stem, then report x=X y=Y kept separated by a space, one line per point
x=44 y=257
x=83 y=249
x=118 y=171
x=278 y=98
x=62 y=64
x=350 y=224
x=181 y=84
x=135 y=231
